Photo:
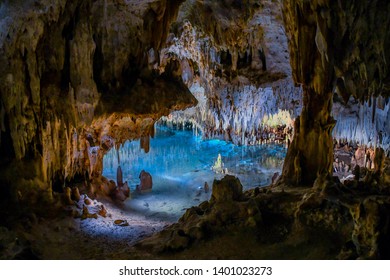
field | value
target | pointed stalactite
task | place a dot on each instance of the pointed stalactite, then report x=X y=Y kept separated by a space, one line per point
x=152 y=131
x=145 y=143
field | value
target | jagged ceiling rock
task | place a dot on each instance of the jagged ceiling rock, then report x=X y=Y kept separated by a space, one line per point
x=66 y=66
x=124 y=31
x=363 y=124
x=234 y=58
x=242 y=34
x=351 y=39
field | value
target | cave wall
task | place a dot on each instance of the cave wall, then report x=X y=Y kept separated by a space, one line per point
x=65 y=67
x=332 y=47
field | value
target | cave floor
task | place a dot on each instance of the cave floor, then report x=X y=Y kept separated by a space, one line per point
x=65 y=237
x=136 y=230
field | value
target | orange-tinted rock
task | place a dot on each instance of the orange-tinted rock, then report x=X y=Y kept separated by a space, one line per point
x=146 y=183
x=102 y=212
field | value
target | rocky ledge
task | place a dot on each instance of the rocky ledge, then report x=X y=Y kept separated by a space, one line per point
x=332 y=220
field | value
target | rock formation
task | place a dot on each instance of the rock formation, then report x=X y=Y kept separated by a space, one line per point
x=146 y=182
x=71 y=83
x=79 y=78
x=331 y=45
x=230 y=66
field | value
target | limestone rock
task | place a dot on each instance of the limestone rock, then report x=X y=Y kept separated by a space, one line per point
x=146 y=183
x=227 y=189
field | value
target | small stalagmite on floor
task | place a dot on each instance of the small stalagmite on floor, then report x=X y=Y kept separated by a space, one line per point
x=146 y=183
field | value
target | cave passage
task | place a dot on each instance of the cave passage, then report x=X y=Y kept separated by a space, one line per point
x=180 y=163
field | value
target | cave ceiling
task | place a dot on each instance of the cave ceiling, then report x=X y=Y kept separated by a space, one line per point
x=345 y=42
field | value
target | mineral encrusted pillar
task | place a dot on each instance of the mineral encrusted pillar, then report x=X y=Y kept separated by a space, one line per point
x=311 y=151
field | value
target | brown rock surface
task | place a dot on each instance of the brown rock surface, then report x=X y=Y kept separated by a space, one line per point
x=324 y=222
x=65 y=73
x=146 y=182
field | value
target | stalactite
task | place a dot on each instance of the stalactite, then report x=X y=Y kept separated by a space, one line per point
x=355 y=124
x=145 y=143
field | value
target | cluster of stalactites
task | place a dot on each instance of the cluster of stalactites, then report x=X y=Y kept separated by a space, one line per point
x=365 y=124
x=245 y=115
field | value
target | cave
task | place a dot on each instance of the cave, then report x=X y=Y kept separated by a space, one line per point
x=194 y=129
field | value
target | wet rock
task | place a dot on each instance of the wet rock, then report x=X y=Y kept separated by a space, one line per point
x=146 y=183
x=227 y=189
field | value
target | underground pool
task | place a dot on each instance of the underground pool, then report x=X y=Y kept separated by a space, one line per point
x=180 y=163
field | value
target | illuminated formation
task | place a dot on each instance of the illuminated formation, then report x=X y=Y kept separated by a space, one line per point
x=152 y=129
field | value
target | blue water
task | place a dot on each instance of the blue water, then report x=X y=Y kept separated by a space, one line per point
x=180 y=163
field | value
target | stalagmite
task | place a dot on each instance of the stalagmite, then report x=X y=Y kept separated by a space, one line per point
x=146 y=182
x=119 y=177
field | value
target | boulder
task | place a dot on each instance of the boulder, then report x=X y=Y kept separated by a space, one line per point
x=228 y=188
x=146 y=182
